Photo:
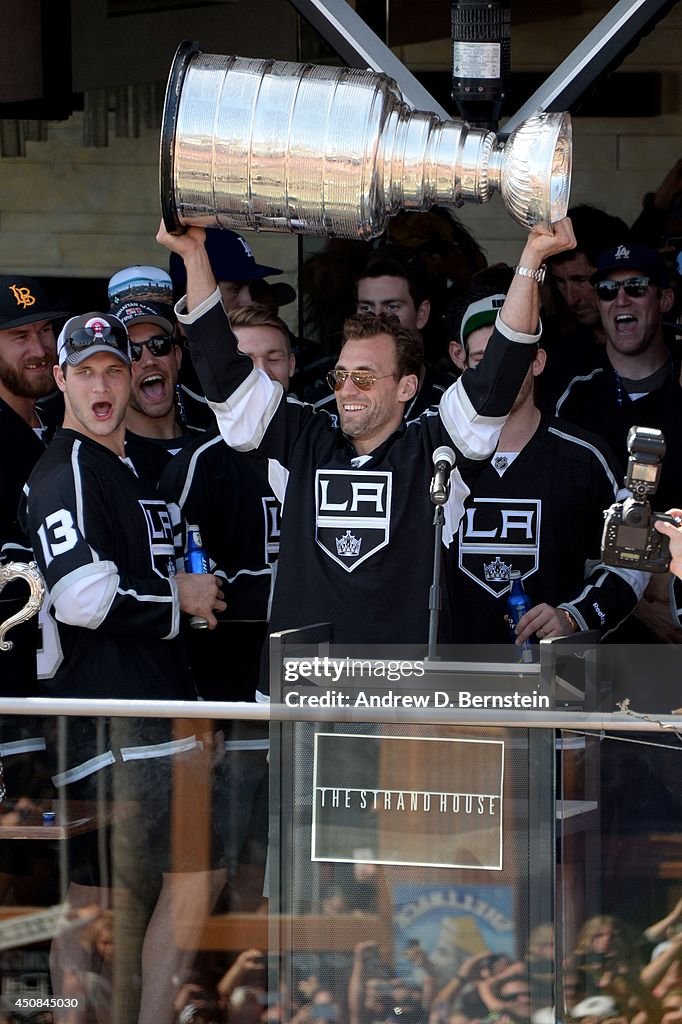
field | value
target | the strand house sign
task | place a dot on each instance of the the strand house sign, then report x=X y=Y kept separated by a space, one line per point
x=403 y=800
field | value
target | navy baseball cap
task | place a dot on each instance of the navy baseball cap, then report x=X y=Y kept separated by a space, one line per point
x=23 y=301
x=84 y=336
x=231 y=258
x=633 y=257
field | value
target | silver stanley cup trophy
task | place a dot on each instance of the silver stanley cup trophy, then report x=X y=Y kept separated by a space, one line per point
x=274 y=146
x=31 y=574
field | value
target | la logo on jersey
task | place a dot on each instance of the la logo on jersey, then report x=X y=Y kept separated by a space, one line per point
x=272 y=516
x=160 y=530
x=352 y=514
x=497 y=535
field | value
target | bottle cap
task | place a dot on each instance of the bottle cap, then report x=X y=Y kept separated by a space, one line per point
x=49 y=817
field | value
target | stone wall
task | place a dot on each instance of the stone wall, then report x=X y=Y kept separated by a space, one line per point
x=71 y=210
x=67 y=210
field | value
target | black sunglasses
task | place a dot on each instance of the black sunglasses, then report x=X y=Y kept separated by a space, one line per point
x=99 y=333
x=634 y=287
x=159 y=345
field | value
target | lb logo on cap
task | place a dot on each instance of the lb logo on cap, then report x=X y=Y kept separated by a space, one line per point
x=22 y=296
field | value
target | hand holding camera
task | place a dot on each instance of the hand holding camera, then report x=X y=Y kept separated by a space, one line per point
x=673 y=531
x=631 y=537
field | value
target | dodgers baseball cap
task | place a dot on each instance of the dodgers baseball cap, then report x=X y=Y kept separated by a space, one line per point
x=231 y=258
x=132 y=312
x=23 y=301
x=481 y=313
x=84 y=336
x=632 y=257
x=141 y=282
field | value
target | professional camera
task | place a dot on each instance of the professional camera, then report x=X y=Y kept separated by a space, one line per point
x=629 y=540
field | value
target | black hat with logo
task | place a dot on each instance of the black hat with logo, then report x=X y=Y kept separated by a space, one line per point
x=23 y=301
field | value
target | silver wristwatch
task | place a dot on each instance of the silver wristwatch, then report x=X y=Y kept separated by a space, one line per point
x=537 y=275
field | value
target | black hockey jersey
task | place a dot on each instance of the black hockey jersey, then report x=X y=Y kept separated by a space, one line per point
x=151 y=455
x=227 y=494
x=599 y=403
x=357 y=538
x=95 y=527
x=543 y=516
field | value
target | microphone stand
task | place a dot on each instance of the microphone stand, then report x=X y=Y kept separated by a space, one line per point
x=435 y=591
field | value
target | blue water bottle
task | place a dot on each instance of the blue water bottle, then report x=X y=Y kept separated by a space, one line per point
x=518 y=603
x=196 y=560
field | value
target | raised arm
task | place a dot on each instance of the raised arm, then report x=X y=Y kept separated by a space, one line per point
x=191 y=248
x=475 y=408
x=521 y=310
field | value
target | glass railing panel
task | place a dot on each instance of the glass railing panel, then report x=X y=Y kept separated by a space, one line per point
x=132 y=862
x=619 y=862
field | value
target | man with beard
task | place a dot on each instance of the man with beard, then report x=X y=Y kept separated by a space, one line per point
x=27 y=355
x=154 y=431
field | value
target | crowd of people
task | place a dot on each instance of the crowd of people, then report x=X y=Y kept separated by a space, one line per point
x=153 y=384
x=178 y=409
x=613 y=974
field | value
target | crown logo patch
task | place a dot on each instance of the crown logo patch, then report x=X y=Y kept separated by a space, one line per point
x=497 y=571
x=348 y=545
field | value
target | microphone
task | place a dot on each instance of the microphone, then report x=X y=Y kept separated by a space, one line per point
x=443 y=461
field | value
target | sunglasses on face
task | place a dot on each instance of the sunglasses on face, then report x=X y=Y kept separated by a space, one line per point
x=159 y=345
x=364 y=380
x=634 y=287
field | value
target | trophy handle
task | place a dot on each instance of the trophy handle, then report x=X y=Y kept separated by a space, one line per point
x=31 y=573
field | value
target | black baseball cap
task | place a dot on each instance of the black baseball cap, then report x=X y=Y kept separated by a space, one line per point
x=84 y=336
x=23 y=301
x=633 y=257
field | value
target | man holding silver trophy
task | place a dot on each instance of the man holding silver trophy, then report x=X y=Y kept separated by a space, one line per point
x=356 y=529
x=336 y=152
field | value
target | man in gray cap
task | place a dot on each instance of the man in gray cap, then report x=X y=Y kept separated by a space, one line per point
x=27 y=355
x=107 y=546
x=105 y=543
